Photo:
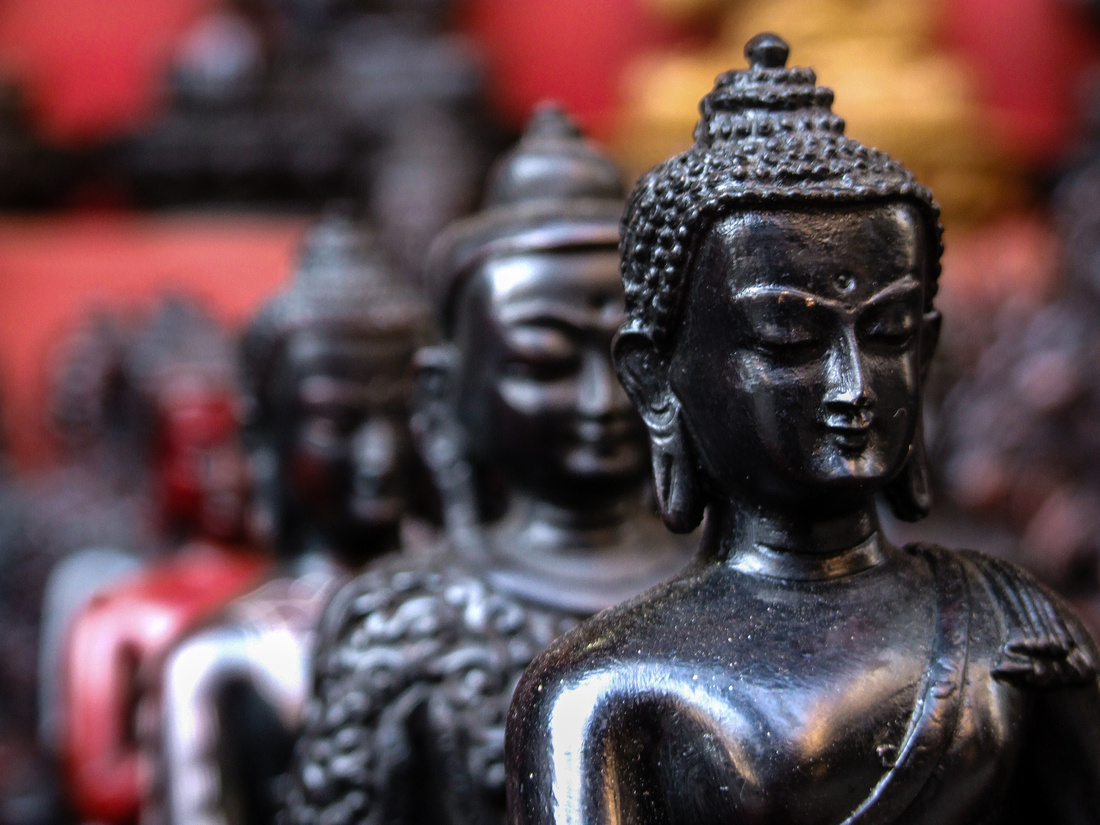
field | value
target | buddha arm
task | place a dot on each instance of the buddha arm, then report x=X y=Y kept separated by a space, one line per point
x=233 y=697
x=102 y=656
x=582 y=751
x=187 y=754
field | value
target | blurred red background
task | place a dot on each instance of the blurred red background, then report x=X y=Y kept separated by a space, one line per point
x=92 y=68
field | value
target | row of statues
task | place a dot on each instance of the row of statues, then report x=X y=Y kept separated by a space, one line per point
x=285 y=103
x=737 y=348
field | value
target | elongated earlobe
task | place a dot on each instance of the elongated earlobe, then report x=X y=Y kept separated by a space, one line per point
x=441 y=442
x=677 y=478
x=910 y=494
x=644 y=376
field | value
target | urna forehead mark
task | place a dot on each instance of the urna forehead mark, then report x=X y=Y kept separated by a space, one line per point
x=848 y=252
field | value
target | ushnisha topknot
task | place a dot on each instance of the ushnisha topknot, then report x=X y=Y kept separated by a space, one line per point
x=183 y=338
x=767 y=137
x=553 y=190
x=341 y=284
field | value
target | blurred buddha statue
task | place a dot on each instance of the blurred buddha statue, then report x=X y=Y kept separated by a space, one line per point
x=901 y=92
x=181 y=371
x=1020 y=434
x=328 y=372
x=86 y=500
x=541 y=467
x=780 y=281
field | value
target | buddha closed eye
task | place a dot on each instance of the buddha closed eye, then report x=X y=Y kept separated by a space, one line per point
x=543 y=349
x=795 y=325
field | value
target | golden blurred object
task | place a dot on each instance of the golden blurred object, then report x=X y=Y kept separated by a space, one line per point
x=681 y=10
x=899 y=92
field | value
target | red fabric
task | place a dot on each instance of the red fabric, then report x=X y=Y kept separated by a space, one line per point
x=53 y=269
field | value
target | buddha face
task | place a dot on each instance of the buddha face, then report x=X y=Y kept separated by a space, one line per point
x=344 y=453
x=201 y=469
x=537 y=393
x=801 y=351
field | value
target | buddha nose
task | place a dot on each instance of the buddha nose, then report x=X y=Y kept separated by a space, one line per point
x=600 y=394
x=847 y=377
x=374 y=451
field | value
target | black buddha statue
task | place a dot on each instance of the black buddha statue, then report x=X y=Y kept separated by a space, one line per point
x=541 y=465
x=328 y=369
x=780 y=280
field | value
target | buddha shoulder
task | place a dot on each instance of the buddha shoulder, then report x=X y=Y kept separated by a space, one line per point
x=1039 y=641
x=1007 y=621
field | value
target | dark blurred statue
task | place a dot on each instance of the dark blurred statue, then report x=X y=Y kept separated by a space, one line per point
x=780 y=279
x=541 y=464
x=28 y=793
x=33 y=174
x=104 y=641
x=1021 y=435
x=298 y=102
x=328 y=367
x=92 y=499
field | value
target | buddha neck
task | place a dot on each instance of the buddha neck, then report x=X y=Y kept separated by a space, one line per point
x=785 y=544
x=553 y=529
x=580 y=560
x=347 y=553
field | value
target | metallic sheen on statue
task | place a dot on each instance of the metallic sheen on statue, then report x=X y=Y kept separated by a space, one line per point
x=541 y=465
x=780 y=283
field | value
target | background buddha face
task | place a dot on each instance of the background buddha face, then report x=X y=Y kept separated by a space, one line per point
x=537 y=392
x=344 y=454
x=802 y=348
x=202 y=473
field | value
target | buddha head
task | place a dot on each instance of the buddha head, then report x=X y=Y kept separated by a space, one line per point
x=521 y=397
x=182 y=372
x=89 y=392
x=327 y=368
x=779 y=284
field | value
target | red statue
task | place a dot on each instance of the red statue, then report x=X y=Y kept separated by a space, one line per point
x=185 y=376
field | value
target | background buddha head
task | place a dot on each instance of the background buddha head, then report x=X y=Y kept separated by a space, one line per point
x=182 y=371
x=779 y=284
x=523 y=391
x=327 y=368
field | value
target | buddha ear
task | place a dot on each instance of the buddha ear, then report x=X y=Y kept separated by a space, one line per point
x=439 y=437
x=433 y=395
x=929 y=338
x=643 y=371
x=910 y=494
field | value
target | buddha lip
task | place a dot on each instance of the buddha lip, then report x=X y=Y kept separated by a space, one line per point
x=848 y=429
x=854 y=425
x=599 y=432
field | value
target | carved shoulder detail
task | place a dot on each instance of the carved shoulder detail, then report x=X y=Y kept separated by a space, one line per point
x=1045 y=645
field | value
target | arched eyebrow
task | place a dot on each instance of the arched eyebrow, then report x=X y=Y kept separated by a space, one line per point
x=905 y=289
x=901 y=289
x=557 y=314
x=781 y=292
